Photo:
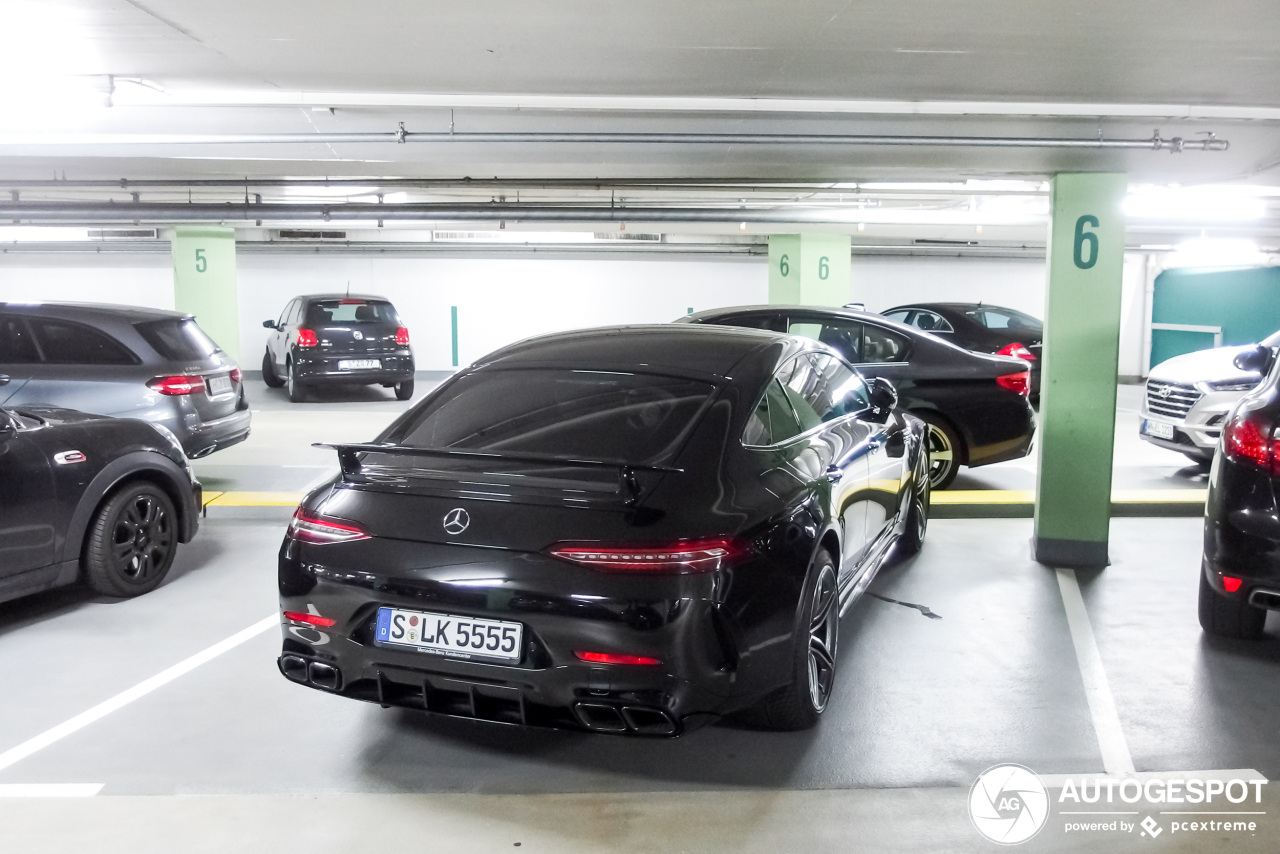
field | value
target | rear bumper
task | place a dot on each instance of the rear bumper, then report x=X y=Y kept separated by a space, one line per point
x=1242 y=533
x=1006 y=432
x=315 y=370
x=203 y=439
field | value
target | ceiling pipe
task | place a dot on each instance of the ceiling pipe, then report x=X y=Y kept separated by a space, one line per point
x=1155 y=143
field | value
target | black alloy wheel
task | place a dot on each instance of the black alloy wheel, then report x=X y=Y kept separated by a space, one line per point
x=297 y=391
x=132 y=541
x=917 y=511
x=269 y=375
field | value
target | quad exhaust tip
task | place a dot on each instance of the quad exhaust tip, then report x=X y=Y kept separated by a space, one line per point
x=641 y=720
x=298 y=669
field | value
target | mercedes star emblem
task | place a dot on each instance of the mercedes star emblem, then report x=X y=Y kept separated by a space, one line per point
x=456 y=521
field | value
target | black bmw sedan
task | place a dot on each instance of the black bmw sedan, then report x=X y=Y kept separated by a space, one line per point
x=626 y=530
x=975 y=404
x=1240 y=577
x=90 y=498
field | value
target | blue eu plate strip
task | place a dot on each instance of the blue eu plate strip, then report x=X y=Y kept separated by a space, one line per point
x=384 y=624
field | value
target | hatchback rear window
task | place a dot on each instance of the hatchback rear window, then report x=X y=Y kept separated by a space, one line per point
x=178 y=340
x=329 y=312
x=622 y=417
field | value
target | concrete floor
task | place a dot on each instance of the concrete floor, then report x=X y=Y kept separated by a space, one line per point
x=921 y=707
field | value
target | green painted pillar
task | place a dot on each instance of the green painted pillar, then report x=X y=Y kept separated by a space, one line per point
x=1078 y=379
x=809 y=269
x=204 y=282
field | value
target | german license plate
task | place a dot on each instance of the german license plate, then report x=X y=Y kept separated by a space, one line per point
x=218 y=385
x=449 y=634
x=1158 y=429
x=359 y=364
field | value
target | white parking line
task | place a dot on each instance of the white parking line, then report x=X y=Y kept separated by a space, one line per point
x=49 y=790
x=1102 y=706
x=82 y=720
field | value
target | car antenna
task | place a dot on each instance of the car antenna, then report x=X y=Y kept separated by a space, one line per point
x=348 y=287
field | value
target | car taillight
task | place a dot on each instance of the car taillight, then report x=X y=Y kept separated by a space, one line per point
x=309 y=619
x=614 y=658
x=402 y=337
x=306 y=528
x=177 y=385
x=672 y=558
x=1231 y=585
x=1252 y=440
x=1019 y=382
x=1018 y=351
x=307 y=338
x=235 y=375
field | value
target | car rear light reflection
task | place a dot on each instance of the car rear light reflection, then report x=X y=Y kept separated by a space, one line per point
x=612 y=658
x=306 y=528
x=1019 y=382
x=1017 y=350
x=309 y=619
x=402 y=337
x=1252 y=440
x=177 y=385
x=1231 y=584
x=307 y=338
x=668 y=558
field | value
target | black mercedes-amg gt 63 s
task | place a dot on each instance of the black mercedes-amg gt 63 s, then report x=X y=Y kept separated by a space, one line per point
x=90 y=498
x=1240 y=577
x=624 y=530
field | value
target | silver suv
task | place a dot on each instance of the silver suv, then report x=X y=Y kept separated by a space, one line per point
x=1188 y=398
x=142 y=363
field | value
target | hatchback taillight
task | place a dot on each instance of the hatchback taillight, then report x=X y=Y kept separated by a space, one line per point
x=307 y=338
x=402 y=337
x=1019 y=382
x=306 y=528
x=235 y=375
x=1253 y=440
x=1017 y=350
x=679 y=558
x=177 y=385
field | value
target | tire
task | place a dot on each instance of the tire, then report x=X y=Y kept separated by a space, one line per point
x=404 y=390
x=945 y=448
x=800 y=705
x=269 y=375
x=1228 y=618
x=297 y=389
x=912 y=539
x=132 y=541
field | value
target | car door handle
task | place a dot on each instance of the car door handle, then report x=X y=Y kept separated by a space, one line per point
x=834 y=474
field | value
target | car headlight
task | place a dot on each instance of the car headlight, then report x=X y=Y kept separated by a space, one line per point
x=1234 y=385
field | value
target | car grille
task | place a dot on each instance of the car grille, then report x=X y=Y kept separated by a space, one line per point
x=1173 y=400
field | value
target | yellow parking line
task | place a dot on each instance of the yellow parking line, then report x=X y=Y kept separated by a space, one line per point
x=254 y=499
x=1159 y=496
x=1026 y=496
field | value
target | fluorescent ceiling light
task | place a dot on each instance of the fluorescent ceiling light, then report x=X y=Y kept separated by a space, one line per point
x=1199 y=204
x=1217 y=252
x=41 y=234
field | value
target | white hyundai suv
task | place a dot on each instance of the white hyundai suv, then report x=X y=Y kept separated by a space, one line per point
x=1188 y=398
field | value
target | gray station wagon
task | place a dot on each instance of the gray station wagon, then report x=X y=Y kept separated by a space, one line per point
x=157 y=366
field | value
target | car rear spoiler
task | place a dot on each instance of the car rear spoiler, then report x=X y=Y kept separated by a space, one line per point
x=627 y=484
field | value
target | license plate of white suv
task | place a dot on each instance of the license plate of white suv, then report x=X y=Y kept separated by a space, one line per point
x=359 y=364
x=1158 y=429
x=449 y=634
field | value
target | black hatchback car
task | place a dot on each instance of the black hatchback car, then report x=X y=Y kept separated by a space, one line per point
x=335 y=339
x=981 y=328
x=624 y=530
x=975 y=404
x=1240 y=577
x=106 y=500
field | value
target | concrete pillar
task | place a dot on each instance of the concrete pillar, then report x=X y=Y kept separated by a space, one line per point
x=1078 y=379
x=204 y=282
x=809 y=269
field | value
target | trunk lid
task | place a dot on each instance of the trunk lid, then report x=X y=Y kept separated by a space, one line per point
x=188 y=351
x=354 y=327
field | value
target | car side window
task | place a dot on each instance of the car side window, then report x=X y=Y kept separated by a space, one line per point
x=801 y=382
x=839 y=390
x=880 y=345
x=64 y=343
x=295 y=316
x=773 y=420
x=16 y=344
x=285 y=315
x=767 y=322
x=930 y=322
x=843 y=336
x=900 y=316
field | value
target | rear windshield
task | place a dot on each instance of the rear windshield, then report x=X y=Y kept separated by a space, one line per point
x=178 y=340
x=331 y=311
x=626 y=417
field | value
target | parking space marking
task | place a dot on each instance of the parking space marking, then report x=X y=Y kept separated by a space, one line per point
x=49 y=790
x=82 y=720
x=1102 y=706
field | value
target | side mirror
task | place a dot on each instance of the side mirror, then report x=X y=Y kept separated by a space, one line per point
x=883 y=398
x=1257 y=360
x=268 y=324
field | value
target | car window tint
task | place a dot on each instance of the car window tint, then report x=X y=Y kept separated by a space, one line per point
x=16 y=344
x=178 y=339
x=930 y=322
x=839 y=391
x=64 y=343
x=348 y=311
x=800 y=382
x=757 y=429
x=1005 y=318
x=879 y=345
x=631 y=417
x=843 y=336
x=767 y=322
x=773 y=420
x=286 y=313
x=900 y=316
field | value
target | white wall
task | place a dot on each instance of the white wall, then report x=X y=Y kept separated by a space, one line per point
x=883 y=282
x=88 y=277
